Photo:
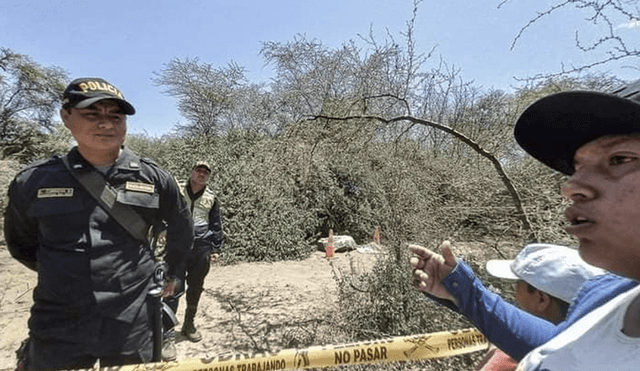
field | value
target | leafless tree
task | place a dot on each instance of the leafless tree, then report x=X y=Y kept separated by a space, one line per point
x=608 y=19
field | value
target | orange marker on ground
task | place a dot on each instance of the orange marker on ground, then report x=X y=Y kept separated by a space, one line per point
x=329 y=251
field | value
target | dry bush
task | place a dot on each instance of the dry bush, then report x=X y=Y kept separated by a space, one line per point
x=539 y=189
x=383 y=303
x=8 y=170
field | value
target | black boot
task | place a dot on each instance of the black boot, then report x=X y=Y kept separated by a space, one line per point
x=189 y=330
x=169 y=352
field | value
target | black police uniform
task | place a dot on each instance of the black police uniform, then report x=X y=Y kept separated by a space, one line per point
x=93 y=276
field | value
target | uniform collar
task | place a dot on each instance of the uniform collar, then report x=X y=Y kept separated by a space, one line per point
x=127 y=160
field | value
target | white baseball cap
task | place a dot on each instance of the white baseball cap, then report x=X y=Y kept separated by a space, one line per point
x=553 y=269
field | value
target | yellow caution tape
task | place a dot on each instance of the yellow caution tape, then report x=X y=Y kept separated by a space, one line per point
x=403 y=348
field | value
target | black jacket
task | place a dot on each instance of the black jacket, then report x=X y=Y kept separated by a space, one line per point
x=87 y=264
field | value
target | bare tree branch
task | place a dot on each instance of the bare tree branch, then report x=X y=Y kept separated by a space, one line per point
x=477 y=148
x=611 y=43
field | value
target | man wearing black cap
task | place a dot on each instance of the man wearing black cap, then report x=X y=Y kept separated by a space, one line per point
x=595 y=139
x=82 y=222
x=207 y=244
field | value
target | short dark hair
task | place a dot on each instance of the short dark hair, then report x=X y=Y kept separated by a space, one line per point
x=563 y=305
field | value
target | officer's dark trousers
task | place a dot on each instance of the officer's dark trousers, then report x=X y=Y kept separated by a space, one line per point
x=118 y=343
x=198 y=265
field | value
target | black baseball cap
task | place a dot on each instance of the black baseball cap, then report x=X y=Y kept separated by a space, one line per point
x=554 y=127
x=85 y=91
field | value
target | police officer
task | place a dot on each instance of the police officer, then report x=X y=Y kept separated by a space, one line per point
x=207 y=244
x=94 y=274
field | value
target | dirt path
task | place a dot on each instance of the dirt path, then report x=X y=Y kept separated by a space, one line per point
x=16 y=284
x=245 y=307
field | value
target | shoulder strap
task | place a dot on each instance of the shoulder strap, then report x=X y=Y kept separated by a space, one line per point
x=105 y=195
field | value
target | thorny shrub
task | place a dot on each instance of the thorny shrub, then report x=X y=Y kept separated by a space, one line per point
x=8 y=170
x=278 y=197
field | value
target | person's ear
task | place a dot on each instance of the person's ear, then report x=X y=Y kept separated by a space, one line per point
x=64 y=115
x=543 y=301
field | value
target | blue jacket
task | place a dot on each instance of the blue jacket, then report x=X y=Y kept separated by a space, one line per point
x=514 y=330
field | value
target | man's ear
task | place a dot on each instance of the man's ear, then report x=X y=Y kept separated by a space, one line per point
x=64 y=114
x=543 y=301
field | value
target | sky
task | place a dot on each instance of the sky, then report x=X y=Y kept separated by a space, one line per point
x=125 y=42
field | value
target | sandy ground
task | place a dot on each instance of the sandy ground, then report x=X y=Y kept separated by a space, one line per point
x=245 y=307
x=16 y=284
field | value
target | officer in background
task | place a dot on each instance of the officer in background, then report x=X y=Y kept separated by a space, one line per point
x=94 y=270
x=207 y=244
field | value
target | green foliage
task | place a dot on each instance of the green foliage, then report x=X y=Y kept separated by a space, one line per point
x=57 y=142
x=280 y=194
x=157 y=149
x=8 y=170
x=540 y=191
x=216 y=99
x=382 y=302
x=288 y=165
x=262 y=221
x=29 y=97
